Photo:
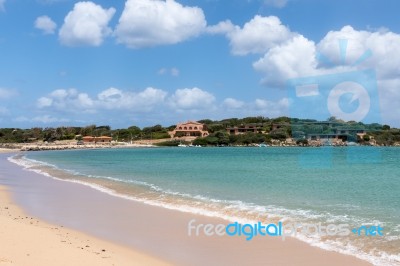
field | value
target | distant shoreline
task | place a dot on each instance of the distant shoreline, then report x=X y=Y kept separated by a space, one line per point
x=15 y=147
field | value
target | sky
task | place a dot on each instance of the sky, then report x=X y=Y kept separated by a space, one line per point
x=147 y=62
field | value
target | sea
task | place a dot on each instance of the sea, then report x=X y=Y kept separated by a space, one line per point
x=358 y=186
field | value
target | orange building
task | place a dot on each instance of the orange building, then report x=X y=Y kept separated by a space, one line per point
x=189 y=129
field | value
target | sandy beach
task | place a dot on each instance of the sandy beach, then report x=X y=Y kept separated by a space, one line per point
x=25 y=240
x=136 y=228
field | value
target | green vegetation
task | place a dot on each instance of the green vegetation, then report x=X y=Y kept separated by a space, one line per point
x=171 y=143
x=262 y=130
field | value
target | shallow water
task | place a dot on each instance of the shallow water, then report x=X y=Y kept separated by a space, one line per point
x=348 y=185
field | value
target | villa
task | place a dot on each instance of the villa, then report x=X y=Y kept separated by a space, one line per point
x=242 y=129
x=189 y=129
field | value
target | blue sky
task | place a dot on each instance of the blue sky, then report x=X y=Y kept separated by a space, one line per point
x=146 y=62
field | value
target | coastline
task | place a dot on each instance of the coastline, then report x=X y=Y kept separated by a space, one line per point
x=154 y=230
x=72 y=145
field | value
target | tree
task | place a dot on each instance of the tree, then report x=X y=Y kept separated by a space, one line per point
x=280 y=134
x=88 y=130
x=366 y=138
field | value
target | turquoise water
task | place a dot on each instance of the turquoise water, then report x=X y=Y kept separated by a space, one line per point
x=353 y=185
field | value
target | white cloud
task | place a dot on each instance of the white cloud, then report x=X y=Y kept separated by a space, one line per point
x=257 y=36
x=276 y=3
x=110 y=99
x=145 y=23
x=297 y=57
x=191 y=99
x=145 y=100
x=67 y=100
x=7 y=93
x=2 y=2
x=46 y=24
x=44 y=102
x=289 y=60
x=223 y=27
x=86 y=24
x=231 y=103
x=384 y=47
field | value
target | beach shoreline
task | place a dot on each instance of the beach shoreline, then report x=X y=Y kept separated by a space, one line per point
x=154 y=230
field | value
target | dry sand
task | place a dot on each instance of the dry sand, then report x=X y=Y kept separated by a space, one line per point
x=25 y=240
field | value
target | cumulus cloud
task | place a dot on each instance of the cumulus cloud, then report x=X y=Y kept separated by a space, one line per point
x=292 y=59
x=145 y=100
x=294 y=55
x=256 y=36
x=86 y=24
x=191 y=99
x=383 y=47
x=110 y=99
x=223 y=27
x=185 y=103
x=45 y=24
x=66 y=100
x=145 y=23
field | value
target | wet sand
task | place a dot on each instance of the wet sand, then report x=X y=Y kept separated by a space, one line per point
x=25 y=240
x=152 y=230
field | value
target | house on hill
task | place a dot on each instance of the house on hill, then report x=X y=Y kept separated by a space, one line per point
x=243 y=129
x=189 y=129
